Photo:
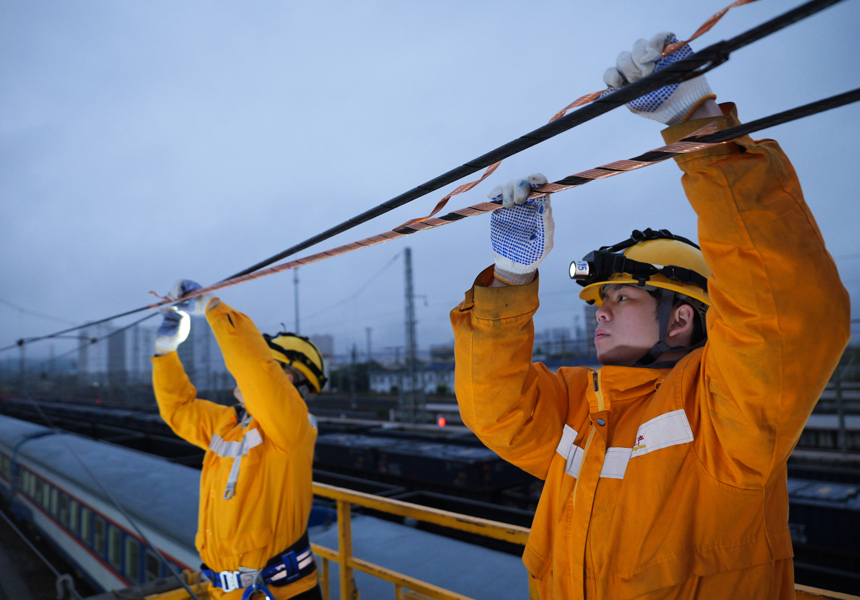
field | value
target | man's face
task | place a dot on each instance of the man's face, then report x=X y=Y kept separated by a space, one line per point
x=627 y=325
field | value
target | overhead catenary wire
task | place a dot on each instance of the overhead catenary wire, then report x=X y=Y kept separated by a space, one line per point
x=697 y=64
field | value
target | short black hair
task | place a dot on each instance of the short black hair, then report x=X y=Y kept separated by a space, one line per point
x=698 y=331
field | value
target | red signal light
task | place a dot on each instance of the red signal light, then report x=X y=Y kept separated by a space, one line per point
x=441 y=421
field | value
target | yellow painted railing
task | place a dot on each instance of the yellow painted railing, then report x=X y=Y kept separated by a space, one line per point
x=402 y=583
x=405 y=587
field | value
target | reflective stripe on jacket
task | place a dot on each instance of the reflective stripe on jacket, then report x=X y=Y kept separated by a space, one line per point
x=273 y=494
x=681 y=491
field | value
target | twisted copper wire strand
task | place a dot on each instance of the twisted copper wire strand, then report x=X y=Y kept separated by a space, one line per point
x=429 y=222
x=608 y=170
x=706 y=27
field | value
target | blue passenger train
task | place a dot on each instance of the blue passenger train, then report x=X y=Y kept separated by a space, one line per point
x=45 y=483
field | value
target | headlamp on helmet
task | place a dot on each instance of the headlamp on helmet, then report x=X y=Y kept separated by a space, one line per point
x=670 y=265
x=649 y=258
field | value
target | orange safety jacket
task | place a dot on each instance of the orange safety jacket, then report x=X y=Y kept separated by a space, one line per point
x=671 y=483
x=273 y=495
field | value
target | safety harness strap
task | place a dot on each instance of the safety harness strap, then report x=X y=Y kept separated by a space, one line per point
x=287 y=566
x=237 y=461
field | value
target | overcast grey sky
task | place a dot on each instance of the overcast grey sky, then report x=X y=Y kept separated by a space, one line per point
x=142 y=142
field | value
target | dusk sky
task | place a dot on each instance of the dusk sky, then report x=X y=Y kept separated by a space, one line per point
x=143 y=142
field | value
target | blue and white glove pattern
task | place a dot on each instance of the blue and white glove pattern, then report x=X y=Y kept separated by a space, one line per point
x=670 y=104
x=522 y=233
x=193 y=306
x=173 y=331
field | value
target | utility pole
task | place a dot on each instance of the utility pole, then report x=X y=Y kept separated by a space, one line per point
x=352 y=403
x=135 y=361
x=369 y=355
x=23 y=370
x=399 y=369
x=83 y=355
x=296 y=288
x=412 y=408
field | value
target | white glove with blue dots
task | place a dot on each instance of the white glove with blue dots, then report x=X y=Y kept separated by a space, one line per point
x=670 y=104
x=521 y=232
x=193 y=306
x=173 y=331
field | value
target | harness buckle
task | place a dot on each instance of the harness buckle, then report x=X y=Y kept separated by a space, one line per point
x=229 y=580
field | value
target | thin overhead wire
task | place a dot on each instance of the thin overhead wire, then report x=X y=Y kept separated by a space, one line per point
x=113 y=500
x=94 y=340
x=60 y=576
x=697 y=64
x=34 y=313
x=356 y=293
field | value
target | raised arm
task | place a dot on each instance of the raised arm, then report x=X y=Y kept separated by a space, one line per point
x=780 y=316
x=516 y=407
x=190 y=418
x=269 y=395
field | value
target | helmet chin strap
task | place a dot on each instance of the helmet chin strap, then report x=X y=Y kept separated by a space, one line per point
x=664 y=314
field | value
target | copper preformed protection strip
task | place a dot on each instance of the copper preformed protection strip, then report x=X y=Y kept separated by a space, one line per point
x=697 y=64
x=706 y=26
x=618 y=167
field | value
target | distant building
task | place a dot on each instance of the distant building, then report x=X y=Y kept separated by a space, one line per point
x=324 y=342
x=442 y=354
x=433 y=378
x=590 y=326
x=124 y=358
x=117 y=365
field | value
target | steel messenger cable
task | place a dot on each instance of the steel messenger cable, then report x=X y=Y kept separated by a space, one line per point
x=703 y=138
x=699 y=63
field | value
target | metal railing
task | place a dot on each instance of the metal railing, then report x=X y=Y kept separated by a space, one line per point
x=406 y=587
x=348 y=563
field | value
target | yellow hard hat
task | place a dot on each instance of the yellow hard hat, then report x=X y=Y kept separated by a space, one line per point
x=656 y=259
x=301 y=354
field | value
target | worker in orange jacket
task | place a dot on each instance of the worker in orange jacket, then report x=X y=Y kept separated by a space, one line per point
x=665 y=469
x=255 y=487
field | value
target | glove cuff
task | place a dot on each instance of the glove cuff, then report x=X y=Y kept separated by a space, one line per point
x=164 y=345
x=512 y=277
x=683 y=102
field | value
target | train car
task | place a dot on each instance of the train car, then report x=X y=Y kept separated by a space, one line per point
x=44 y=481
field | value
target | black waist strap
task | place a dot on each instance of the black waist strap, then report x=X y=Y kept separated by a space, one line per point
x=285 y=567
